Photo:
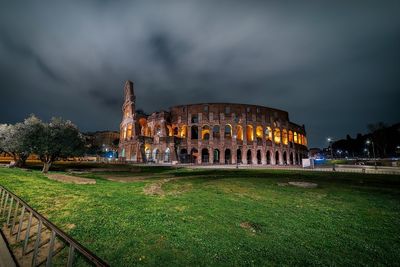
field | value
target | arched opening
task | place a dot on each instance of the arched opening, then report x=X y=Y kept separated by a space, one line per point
x=295 y=138
x=129 y=134
x=183 y=132
x=299 y=137
x=147 y=153
x=277 y=135
x=205 y=132
x=259 y=157
x=194 y=132
x=249 y=133
x=228 y=156
x=268 y=133
x=156 y=155
x=183 y=156
x=249 y=157
x=194 y=153
x=167 y=155
x=216 y=156
x=169 y=130
x=291 y=158
x=259 y=133
x=228 y=131
x=290 y=136
x=268 y=157
x=239 y=133
x=297 y=159
x=284 y=158
x=204 y=155
x=239 y=156
x=216 y=133
x=277 y=161
x=284 y=137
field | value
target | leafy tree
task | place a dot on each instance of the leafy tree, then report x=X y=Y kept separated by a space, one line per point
x=57 y=140
x=17 y=140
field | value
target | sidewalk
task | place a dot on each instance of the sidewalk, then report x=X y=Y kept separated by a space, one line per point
x=6 y=260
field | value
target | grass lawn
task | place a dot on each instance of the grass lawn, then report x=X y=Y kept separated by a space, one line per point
x=186 y=217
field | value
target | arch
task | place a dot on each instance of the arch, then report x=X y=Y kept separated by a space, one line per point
x=249 y=157
x=299 y=137
x=290 y=136
x=259 y=132
x=156 y=154
x=183 y=155
x=228 y=156
x=228 y=131
x=147 y=152
x=194 y=130
x=129 y=134
x=183 y=132
x=277 y=136
x=167 y=155
x=259 y=157
x=169 y=130
x=297 y=158
x=268 y=157
x=249 y=133
x=216 y=133
x=205 y=156
x=277 y=161
x=268 y=133
x=205 y=132
x=291 y=158
x=194 y=153
x=175 y=131
x=216 y=156
x=239 y=133
x=295 y=138
x=285 y=158
x=284 y=137
x=238 y=156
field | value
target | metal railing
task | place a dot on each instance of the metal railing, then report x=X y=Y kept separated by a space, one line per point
x=14 y=213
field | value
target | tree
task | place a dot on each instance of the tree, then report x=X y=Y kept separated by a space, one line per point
x=57 y=140
x=17 y=140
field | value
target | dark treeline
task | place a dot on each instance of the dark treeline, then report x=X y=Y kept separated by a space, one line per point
x=384 y=139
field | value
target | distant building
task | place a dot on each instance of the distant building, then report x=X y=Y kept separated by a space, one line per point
x=102 y=142
x=210 y=133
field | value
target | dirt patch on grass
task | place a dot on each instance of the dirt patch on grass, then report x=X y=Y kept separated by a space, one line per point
x=131 y=179
x=155 y=189
x=251 y=227
x=303 y=184
x=69 y=179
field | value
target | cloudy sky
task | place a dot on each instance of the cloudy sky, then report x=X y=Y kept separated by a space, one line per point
x=334 y=65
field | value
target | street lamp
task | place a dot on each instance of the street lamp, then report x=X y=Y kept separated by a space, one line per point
x=368 y=142
x=331 y=148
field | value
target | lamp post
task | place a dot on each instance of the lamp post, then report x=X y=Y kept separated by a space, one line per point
x=331 y=147
x=368 y=142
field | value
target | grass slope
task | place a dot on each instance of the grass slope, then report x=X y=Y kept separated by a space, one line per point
x=224 y=217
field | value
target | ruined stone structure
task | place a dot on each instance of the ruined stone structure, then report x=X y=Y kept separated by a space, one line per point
x=210 y=133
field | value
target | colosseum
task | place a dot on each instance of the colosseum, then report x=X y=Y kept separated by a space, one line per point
x=210 y=133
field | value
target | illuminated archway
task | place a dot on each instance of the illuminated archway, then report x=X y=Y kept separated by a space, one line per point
x=284 y=137
x=249 y=133
x=268 y=133
x=290 y=136
x=239 y=133
x=277 y=135
x=205 y=132
x=183 y=132
x=259 y=132
x=295 y=137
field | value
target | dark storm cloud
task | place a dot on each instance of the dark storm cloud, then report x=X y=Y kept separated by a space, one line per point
x=333 y=65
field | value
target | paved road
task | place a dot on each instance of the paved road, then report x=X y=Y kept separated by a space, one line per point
x=6 y=259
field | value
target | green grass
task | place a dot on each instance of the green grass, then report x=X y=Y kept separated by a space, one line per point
x=349 y=219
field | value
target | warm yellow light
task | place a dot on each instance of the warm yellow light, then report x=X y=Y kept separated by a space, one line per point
x=277 y=135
